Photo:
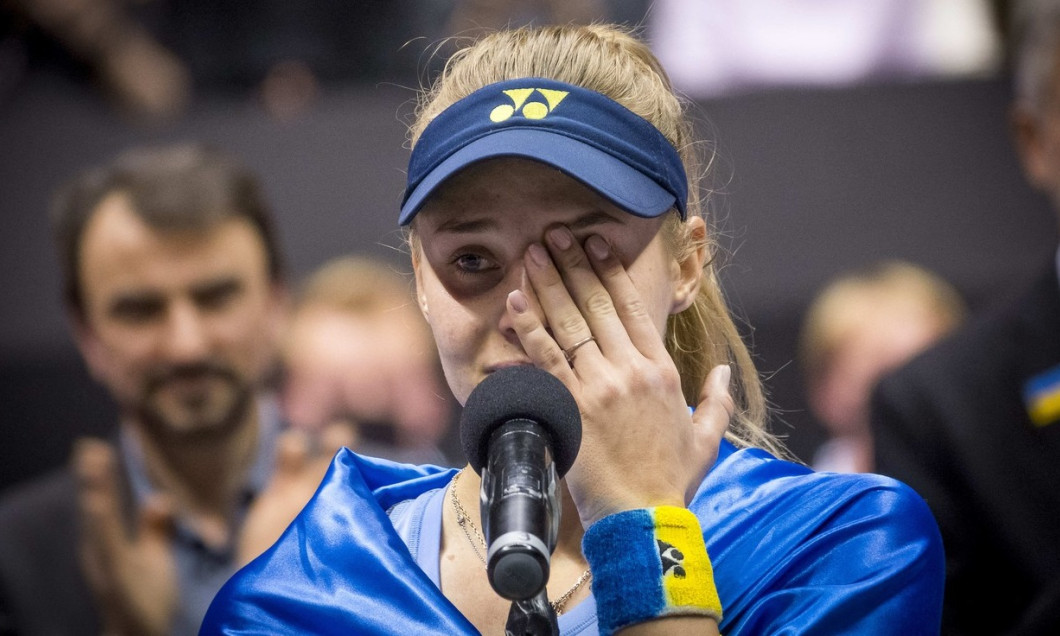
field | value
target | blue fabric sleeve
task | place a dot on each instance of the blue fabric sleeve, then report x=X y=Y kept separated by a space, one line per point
x=799 y=552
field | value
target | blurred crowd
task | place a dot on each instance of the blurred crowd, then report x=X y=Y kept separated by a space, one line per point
x=153 y=57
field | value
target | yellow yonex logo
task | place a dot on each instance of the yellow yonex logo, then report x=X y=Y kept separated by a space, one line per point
x=530 y=110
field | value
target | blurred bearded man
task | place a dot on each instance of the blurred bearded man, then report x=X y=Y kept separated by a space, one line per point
x=173 y=283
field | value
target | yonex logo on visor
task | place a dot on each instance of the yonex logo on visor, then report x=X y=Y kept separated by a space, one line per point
x=588 y=136
x=532 y=110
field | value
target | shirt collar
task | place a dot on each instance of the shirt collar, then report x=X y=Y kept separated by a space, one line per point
x=269 y=428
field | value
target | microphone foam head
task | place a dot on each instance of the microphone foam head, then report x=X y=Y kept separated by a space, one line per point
x=525 y=393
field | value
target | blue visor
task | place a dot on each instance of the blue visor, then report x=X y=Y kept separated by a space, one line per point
x=586 y=135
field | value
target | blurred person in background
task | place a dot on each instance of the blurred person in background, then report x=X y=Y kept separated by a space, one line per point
x=860 y=325
x=974 y=423
x=174 y=285
x=358 y=351
x=145 y=78
x=153 y=58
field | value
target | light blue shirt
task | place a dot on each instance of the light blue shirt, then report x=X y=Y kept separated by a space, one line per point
x=419 y=524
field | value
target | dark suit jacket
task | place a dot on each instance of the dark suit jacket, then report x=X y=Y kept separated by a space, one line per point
x=42 y=590
x=953 y=425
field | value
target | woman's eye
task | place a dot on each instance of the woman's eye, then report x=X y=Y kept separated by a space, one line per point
x=473 y=263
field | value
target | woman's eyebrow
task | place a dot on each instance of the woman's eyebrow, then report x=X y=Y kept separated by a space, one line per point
x=459 y=226
x=598 y=217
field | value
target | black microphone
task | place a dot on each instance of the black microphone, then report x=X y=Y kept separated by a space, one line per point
x=521 y=431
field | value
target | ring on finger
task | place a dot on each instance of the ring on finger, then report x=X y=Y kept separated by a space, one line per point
x=568 y=353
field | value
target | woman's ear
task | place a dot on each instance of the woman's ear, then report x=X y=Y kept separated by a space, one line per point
x=421 y=298
x=689 y=272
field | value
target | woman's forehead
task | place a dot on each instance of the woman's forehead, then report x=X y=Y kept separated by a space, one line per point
x=513 y=190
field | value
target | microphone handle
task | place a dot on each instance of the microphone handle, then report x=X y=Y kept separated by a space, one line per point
x=520 y=512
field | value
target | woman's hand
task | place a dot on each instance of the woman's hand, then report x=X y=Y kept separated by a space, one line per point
x=641 y=447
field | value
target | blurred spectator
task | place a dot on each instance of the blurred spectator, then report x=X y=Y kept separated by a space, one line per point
x=174 y=288
x=152 y=55
x=359 y=351
x=974 y=423
x=144 y=77
x=716 y=47
x=861 y=325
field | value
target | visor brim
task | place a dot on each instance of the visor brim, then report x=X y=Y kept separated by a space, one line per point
x=616 y=181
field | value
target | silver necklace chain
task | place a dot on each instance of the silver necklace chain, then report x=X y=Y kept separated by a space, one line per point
x=464 y=521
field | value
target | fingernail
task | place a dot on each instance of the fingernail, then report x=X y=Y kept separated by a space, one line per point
x=723 y=377
x=598 y=247
x=561 y=237
x=517 y=299
x=538 y=255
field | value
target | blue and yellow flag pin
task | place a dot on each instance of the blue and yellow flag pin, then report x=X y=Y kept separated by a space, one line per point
x=1041 y=395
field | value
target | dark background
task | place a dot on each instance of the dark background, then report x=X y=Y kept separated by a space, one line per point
x=810 y=182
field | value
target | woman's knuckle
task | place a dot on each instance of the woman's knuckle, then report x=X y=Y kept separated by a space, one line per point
x=571 y=323
x=599 y=304
x=634 y=307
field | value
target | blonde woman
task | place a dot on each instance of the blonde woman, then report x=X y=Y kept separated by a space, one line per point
x=551 y=224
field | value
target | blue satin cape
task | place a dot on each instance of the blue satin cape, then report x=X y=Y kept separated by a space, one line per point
x=794 y=552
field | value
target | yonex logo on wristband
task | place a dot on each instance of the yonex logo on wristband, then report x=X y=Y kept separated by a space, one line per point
x=530 y=110
x=672 y=559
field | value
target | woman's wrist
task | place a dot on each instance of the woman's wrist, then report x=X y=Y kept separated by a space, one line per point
x=649 y=563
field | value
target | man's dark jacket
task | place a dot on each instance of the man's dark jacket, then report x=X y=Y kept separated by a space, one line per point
x=953 y=424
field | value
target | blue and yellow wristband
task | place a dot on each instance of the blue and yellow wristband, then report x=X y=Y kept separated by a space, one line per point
x=649 y=563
